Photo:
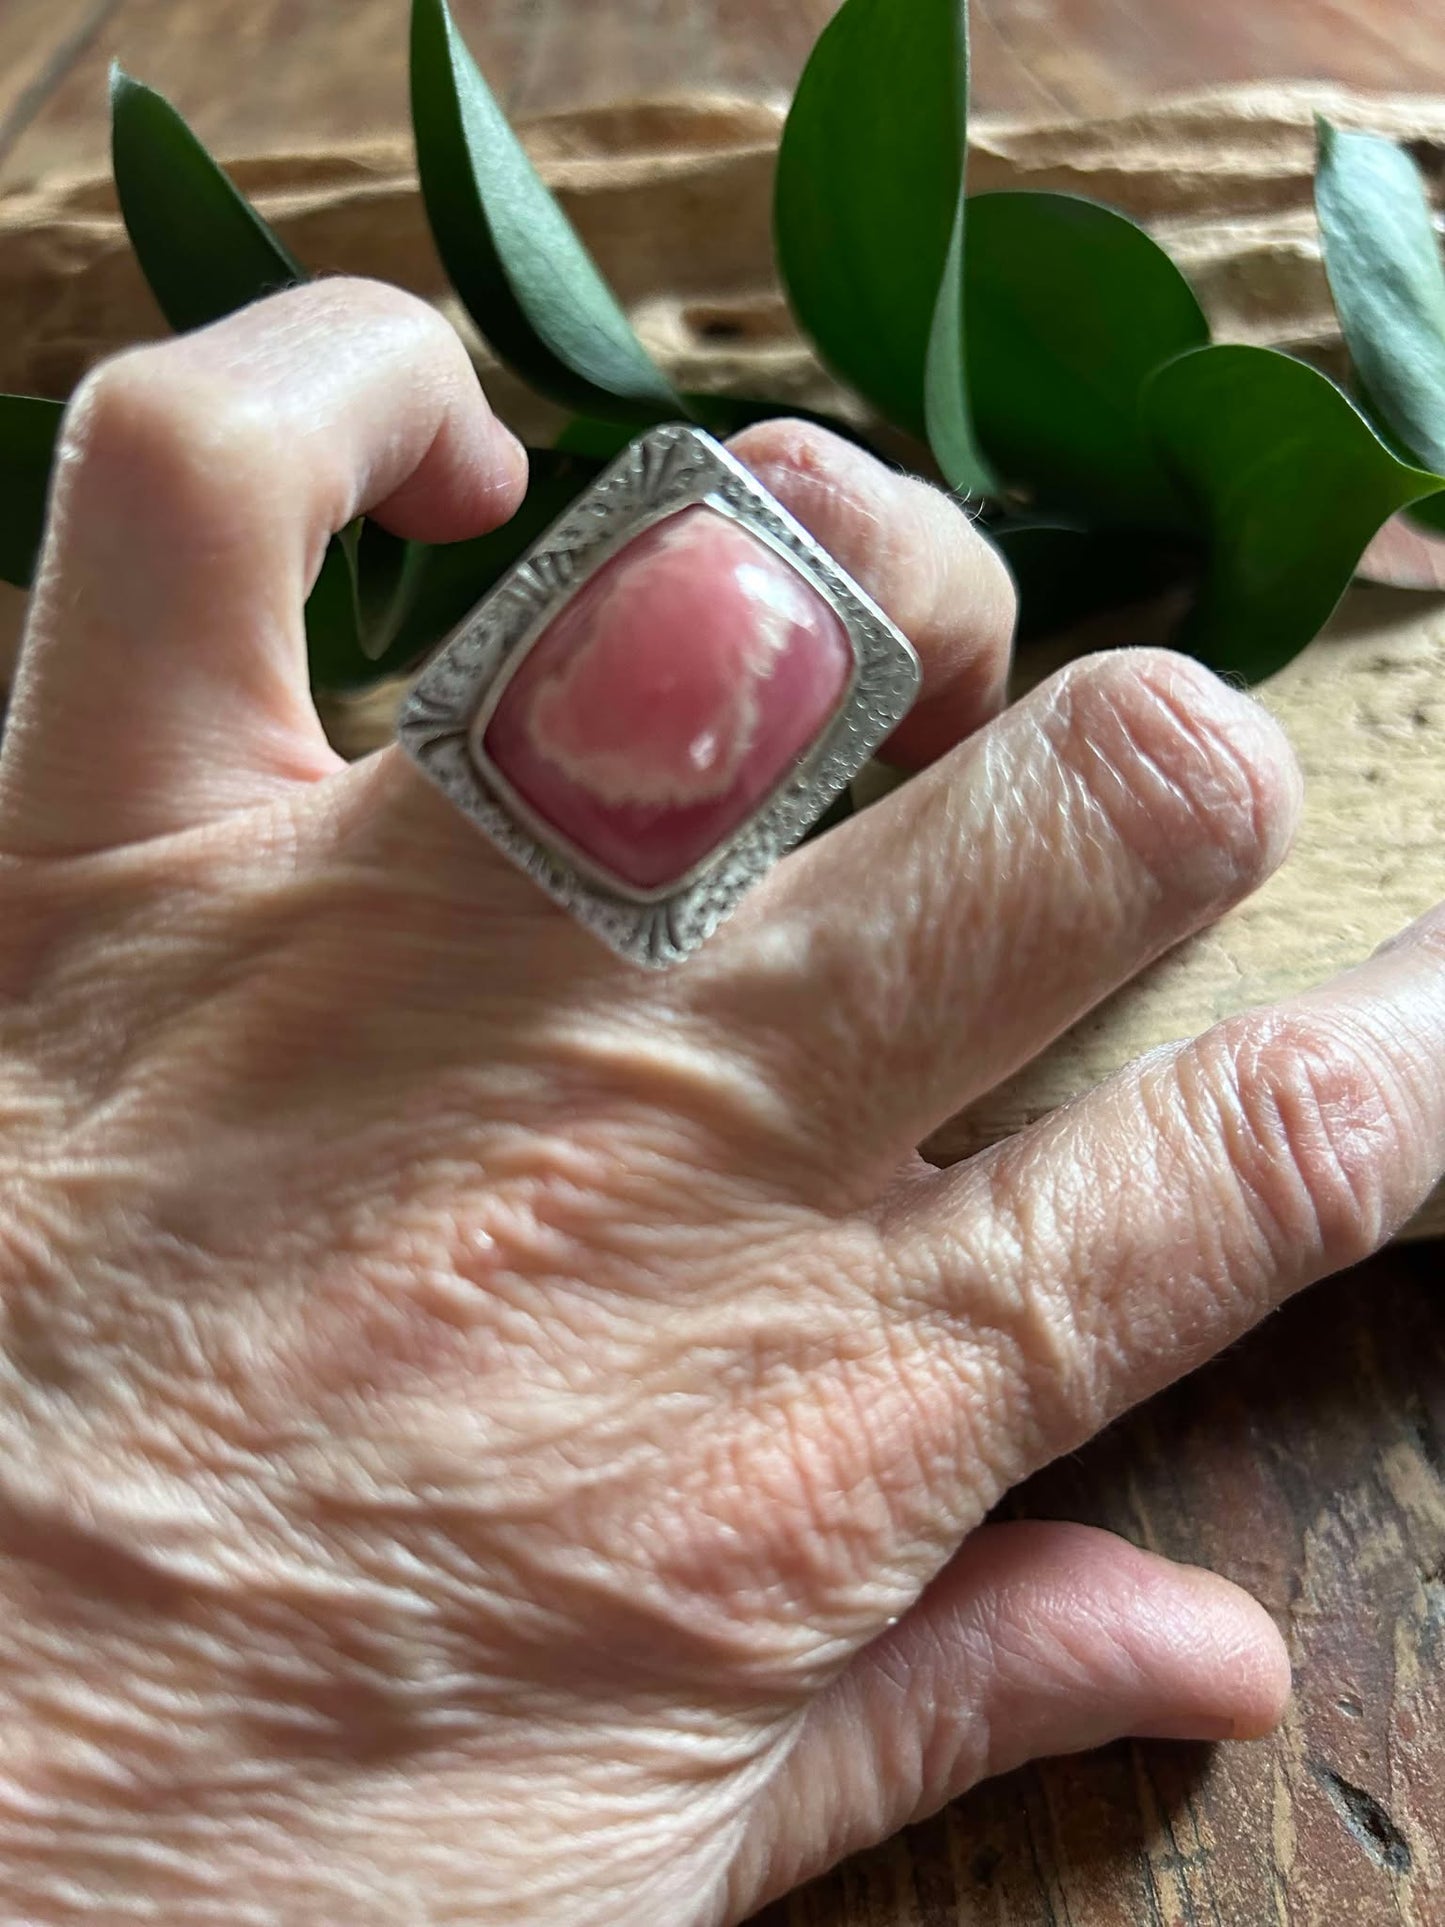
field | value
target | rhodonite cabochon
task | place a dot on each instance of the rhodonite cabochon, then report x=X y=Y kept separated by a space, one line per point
x=669 y=699
x=661 y=698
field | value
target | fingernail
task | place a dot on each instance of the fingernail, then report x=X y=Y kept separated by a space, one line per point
x=510 y=450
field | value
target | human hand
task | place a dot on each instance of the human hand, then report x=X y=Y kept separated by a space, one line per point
x=489 y=1436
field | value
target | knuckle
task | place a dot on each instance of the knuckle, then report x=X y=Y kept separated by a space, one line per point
x=1194 y=778
x=786 y=442
x=361 y=305
x=942 y=581
x=173 y=435
x=994 y=1309
x=1316 y=1128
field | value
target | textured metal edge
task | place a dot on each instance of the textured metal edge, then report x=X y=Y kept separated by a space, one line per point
x=666 y=470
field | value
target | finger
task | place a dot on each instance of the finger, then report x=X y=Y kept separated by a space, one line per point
x=164 y=680
x=1038 y=1639
x=920 y=558
x=898 y=968
x=1125 y=1240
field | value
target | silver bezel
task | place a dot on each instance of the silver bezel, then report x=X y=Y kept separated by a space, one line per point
x=665 y=471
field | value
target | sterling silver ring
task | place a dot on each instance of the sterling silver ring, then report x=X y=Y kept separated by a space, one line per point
x=661 y=698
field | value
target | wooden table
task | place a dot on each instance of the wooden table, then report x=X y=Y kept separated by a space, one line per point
x=1310 y=1462
x=275 y=73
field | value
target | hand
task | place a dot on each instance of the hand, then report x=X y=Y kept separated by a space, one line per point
x=490 y=1436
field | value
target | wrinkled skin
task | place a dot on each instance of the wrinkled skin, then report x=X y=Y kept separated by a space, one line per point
x=490 y=1436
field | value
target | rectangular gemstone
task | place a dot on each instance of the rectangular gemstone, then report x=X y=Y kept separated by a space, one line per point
x=670 y=699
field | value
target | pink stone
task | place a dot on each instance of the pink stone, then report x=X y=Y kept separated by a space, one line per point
x=670 y=699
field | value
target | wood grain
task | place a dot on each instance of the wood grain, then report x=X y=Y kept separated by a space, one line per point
x=286 y=74
x=39 y=45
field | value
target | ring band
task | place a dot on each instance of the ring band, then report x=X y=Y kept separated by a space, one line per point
x=661 y=698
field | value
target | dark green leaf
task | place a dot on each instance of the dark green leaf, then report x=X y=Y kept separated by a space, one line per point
x=28 y=432
x=1070 y=309
x=1066 y=573
x=952 y=431
x=513 y=256
x=587 y=436
x=1430 y=514
x=333 y=621
x=1291 y=483
x=724 y=415
x=201 y=245
x=1388 y=282
x=357 y=605
x=383 y=563
x=870 y=212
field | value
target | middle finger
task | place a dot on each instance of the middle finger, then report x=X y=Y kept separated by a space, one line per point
x=894 y=971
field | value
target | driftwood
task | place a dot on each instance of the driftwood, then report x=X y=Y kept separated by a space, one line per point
x=674 y=198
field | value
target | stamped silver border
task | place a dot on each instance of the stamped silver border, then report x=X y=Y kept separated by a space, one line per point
x=665 y=471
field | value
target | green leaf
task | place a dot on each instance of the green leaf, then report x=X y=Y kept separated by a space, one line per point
x=1430 y=514
x=1388 y=281
x=201 y=245
x=587 y=436
x=870 y=213
x=1065 y=572
x=334 y=653
x=352 y=614
x=513 y=256
x=952 y=431
x=1070 y=308
x=29 y=429
x=450 y=579
x=1292 y=484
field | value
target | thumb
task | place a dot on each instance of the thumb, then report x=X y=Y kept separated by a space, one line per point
x=1037 y=1639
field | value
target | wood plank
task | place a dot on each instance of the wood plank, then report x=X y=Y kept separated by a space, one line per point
x=1095 y=56
x=277 y=73
x=40 y=42
x=292 y=77
x=284 y=73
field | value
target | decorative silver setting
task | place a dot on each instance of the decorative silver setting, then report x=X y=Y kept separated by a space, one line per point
x=667 y=470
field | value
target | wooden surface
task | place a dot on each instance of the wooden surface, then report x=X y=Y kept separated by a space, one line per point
x=281 y=73
x=1310 y=1463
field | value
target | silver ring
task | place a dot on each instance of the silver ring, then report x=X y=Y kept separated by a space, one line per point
x=470 y=722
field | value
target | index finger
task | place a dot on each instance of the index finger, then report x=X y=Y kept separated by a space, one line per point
x=164 y=678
